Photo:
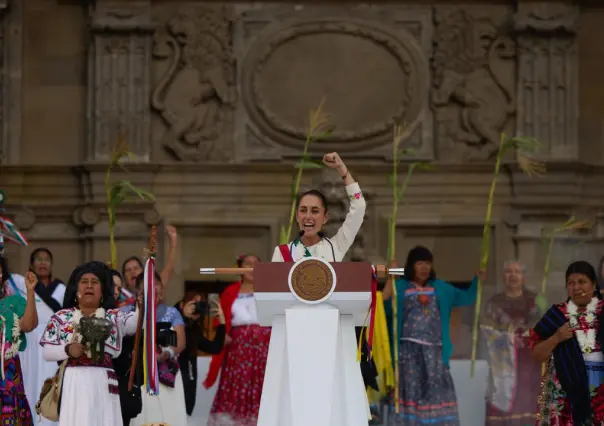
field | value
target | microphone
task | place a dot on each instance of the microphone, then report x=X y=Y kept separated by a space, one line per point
x=321 y=235
x=291 y=248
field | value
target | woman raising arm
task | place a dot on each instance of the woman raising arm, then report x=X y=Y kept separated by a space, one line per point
x=311 y=215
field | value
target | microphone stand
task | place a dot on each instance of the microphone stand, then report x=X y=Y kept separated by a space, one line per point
x=321 y=235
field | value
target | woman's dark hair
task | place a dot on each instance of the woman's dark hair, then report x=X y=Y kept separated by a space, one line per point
x=37 y=251
x=128 y=260
x=5 y=272
x=242 y=258
x=600 y=275
x=418 y=254
x=314 y=193
x=116 y=273
x=141 y=277
x=4 y=276
x=584 y=268
x=102 y=272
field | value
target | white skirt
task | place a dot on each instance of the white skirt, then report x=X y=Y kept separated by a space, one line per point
x=166 y=407
x=86 y=400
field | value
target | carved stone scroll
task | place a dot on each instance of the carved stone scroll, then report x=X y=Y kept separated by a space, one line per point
x=369 y=64
x=11 y=76
x=472 y=88
x=548 y=78
x=119 y=78
x=195 y=94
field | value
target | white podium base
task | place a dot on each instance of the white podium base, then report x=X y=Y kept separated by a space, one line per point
x=312 y=375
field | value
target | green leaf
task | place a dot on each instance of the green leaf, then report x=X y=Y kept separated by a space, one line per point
x=283 y=237
x=308 y=164
x=525 y=144
x=123 y=189
x=426 y=166
x=324 y=135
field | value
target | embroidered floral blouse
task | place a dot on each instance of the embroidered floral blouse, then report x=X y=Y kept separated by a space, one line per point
x=59 y=332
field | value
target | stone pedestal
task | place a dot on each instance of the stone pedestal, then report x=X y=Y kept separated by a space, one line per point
x=119 y=78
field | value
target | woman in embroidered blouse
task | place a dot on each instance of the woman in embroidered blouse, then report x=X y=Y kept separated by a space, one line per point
x=311 y=215
x=242 y=361
x=426 y=394
x=17 y=317
x=90 y=389
x=569 y=338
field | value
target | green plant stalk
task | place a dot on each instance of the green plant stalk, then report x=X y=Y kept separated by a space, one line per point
x=292 y=213
x=111 y=216
x=484 y=256
x=548 y=257
x=395 y=201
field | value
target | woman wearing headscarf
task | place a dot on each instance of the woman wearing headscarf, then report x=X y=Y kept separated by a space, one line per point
x=426 y=394
x=17 y=317
x=570 y=339
x=90 y=389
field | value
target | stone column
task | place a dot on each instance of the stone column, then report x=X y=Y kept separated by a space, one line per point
x=119 y=78
x=548 y=79
x=11 y=76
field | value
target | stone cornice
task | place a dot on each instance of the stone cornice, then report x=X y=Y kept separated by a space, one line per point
x=202 y=188
x=271 y=167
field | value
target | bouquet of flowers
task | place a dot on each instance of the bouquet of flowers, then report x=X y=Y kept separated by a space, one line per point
x=94 y=332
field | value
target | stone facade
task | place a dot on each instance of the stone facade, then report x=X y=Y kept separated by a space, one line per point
x=213 y=99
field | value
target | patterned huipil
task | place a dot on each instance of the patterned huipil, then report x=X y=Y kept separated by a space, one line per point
x=90 y=393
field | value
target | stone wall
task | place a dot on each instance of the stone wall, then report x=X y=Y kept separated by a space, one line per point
x=213 y=99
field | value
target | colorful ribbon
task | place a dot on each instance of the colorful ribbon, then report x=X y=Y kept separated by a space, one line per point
x=151 y=374
x=374 y=284
x=9 y=231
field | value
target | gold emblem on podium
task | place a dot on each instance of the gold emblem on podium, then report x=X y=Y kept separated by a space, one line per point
x=312 y=279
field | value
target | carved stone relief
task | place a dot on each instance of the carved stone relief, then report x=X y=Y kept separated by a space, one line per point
x=548 y=77
x=370 y=68
x=118 y=83
x=195 y=94
x=11 y=75
x=473 y=88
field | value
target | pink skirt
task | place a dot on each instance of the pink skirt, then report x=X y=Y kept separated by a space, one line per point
x=237 y=400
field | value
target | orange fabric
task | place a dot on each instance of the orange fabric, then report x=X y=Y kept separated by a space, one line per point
x=227 y=298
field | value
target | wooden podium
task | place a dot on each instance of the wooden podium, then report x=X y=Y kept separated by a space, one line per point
x=312 y=374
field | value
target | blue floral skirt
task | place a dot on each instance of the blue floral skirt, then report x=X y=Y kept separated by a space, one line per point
x=426 y=391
